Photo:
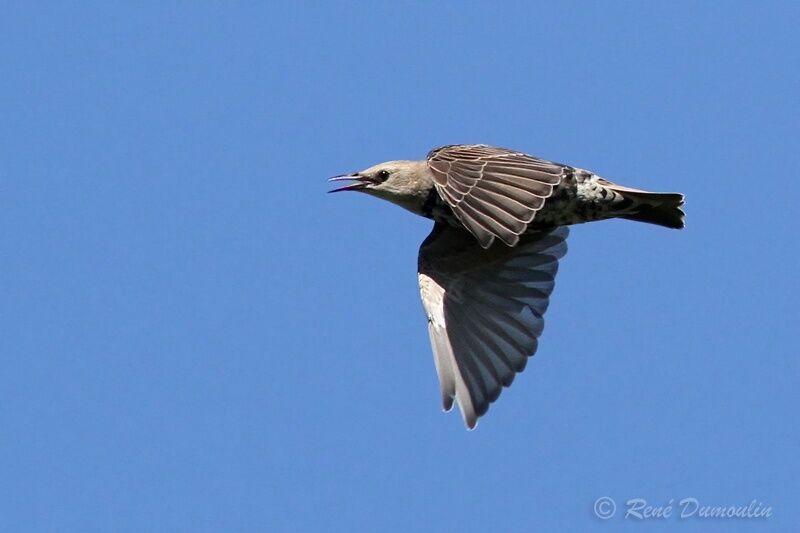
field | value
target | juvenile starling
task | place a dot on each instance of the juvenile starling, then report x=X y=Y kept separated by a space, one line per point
x=485 y=299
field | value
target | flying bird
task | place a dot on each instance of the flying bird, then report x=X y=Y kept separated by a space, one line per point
x=487 y=269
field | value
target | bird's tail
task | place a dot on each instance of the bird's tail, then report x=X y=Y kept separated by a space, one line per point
x=660 y=208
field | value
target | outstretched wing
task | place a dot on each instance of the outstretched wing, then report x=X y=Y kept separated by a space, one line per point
x=485 y=310
x=494 y=192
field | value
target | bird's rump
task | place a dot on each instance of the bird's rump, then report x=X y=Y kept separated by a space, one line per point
x=485 y=310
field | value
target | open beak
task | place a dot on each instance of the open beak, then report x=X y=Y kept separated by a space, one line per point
x=360 y=182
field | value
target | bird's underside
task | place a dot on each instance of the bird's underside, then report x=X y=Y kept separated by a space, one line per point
x=487 y=269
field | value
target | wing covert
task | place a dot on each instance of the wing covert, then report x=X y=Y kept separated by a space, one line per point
x=494 y=192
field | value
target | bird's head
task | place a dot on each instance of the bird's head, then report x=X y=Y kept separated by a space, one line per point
x=405 y=183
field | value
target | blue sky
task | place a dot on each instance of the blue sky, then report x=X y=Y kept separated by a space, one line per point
x=195 y=337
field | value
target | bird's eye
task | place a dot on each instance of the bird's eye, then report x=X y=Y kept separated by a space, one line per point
x=382 y=175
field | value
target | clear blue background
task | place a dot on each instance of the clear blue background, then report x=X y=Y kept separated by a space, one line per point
x=195 y=337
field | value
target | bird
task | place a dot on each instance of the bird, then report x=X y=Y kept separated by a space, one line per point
x=487 y=269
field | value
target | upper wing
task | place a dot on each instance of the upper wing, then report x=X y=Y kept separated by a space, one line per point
x=485 y=310
x=494 y=192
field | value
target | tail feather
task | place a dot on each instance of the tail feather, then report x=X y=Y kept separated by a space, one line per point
x=660 y=208
x=663 y=209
